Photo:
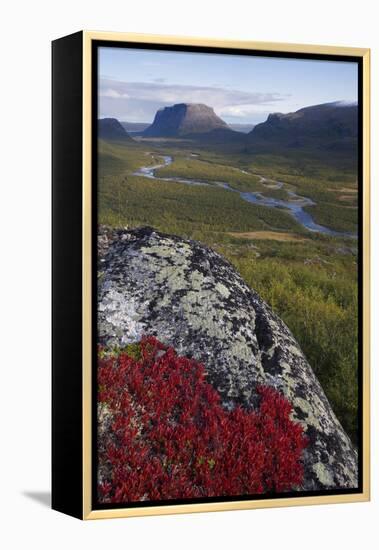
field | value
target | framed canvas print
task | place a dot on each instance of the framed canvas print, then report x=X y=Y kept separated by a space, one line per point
x=210 y=275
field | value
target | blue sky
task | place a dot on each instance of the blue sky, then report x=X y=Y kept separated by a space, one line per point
x=134 y=83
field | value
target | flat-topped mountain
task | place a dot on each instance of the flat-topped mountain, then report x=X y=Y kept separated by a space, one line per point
x=111 y=129
x=184 y=119
x=327 y=125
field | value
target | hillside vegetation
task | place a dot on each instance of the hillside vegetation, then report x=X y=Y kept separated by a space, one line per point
x=310 y=281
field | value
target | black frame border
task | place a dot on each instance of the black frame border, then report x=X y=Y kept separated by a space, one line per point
x=67 y=255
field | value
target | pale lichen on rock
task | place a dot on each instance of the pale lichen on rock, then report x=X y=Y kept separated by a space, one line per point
x=191 y=298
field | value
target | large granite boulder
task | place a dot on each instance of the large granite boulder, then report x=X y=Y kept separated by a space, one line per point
x=191 y=298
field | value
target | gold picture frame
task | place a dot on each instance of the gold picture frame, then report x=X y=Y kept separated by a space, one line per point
x=85 y=510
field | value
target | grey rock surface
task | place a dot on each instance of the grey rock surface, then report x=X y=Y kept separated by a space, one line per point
x=191 y=298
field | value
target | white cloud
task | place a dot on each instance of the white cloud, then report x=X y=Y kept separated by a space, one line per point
x=139 y=101
x=216 y=97
x=243 y=110
x=110 y=92
x=346 y=103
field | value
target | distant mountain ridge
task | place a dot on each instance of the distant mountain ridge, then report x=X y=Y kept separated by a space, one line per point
x=184 y=119
x=240 y=127
x=133 y=127
x=330 y=126
x=139 y=127
x=326 y=125
x=111 y=129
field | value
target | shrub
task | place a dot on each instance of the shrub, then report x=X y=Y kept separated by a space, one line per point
x=168 y=436
x=319 y=303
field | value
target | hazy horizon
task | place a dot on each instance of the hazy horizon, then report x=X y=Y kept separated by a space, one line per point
x=135 y=83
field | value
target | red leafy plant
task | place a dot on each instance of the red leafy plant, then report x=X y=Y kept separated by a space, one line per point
x=164 y=434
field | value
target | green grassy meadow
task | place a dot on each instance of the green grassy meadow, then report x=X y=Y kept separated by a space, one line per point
x=309 y=279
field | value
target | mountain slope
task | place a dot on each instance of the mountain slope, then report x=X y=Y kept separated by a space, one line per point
x=111 y=129
x=329 y=125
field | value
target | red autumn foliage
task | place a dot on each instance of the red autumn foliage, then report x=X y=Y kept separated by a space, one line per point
x=170 y=438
